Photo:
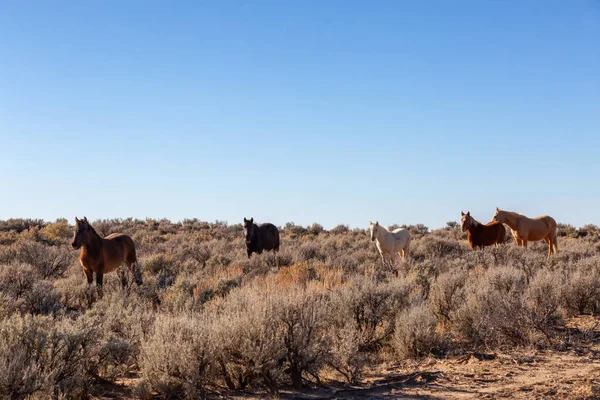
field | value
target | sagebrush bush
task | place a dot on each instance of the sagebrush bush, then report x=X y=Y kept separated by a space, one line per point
x=49 y=262
x=415 y=332
x=447 y=295
x=249 y=350
x=208 y=319
x=45 y=359
x=176 y=356
x=581 y=290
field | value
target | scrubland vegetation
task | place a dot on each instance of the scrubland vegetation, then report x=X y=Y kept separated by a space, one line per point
x=208 y=320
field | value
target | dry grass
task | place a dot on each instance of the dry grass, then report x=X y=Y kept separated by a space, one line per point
x=209 y=320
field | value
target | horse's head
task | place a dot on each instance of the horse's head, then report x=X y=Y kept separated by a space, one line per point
x=249 y=229
x=373 y=228
x=465 y=221
x=499 y=215
x=82 y=231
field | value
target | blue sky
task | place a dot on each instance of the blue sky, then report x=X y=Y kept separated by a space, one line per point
x=328 y=111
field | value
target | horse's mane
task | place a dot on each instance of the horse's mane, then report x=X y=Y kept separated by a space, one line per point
x=384 y=228
x=91 y=229
x=514 y=213
x=474 y=221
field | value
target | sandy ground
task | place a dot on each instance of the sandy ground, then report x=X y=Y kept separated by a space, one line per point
x=573 y=373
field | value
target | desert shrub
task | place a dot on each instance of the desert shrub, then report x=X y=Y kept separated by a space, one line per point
x=263 y=337
x=581 y=292
x=434 y=247
x=75 y=293
x=142 y=390
x=309 y=251
x=218 y=261
x=58 y=232
x=302 y=323
x=544 y=299
x=49 y=262
x=414 y=333
x=16 y=280
x=418 y=229
x=291 y=228
x=345 y=354
x=496 y=312
x=372 y=307
x=123 y=320
x=248 y=346
x=42 y=358
x=175 y=357
x=315 y=229
x=340 y=229
x=24 y=293
x=19 y=224
x=161 y=265
x=43 y=298
x=447 y=295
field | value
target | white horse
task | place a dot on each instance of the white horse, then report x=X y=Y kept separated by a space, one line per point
x=388 y=242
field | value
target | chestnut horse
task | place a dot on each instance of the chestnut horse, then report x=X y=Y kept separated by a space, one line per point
x=480 y=235
x=102 y=255
x=530 y=229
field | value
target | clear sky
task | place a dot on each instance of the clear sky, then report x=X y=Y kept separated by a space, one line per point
x=331 y=111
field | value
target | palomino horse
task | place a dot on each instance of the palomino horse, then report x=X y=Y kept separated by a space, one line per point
x=530 y=229
x=102 y=255
x=390 y=243
x=480 y=235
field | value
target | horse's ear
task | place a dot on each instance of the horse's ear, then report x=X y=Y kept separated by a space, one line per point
x=462 y=214
x=245 y=220
x=252 y=220
x=468 y=213
x=370 y=222
x=376 y=222
x=85 y=220
x=497 y=209
x=77 y=220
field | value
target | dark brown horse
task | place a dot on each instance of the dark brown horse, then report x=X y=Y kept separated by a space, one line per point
x=103 y=255
x=480 y=235
x=259 y=238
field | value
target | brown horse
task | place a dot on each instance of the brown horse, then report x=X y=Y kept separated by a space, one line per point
x=260 y=237
x=480 y=235
x=103 y=255
x=530 y=229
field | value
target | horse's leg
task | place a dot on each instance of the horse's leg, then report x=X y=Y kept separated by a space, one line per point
x=524 y=243
x=554 y=243
x=549 y=243
x=99 y=280
x=89 y=274
x=122 y=275
x=136 y=271
x=517 y=240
